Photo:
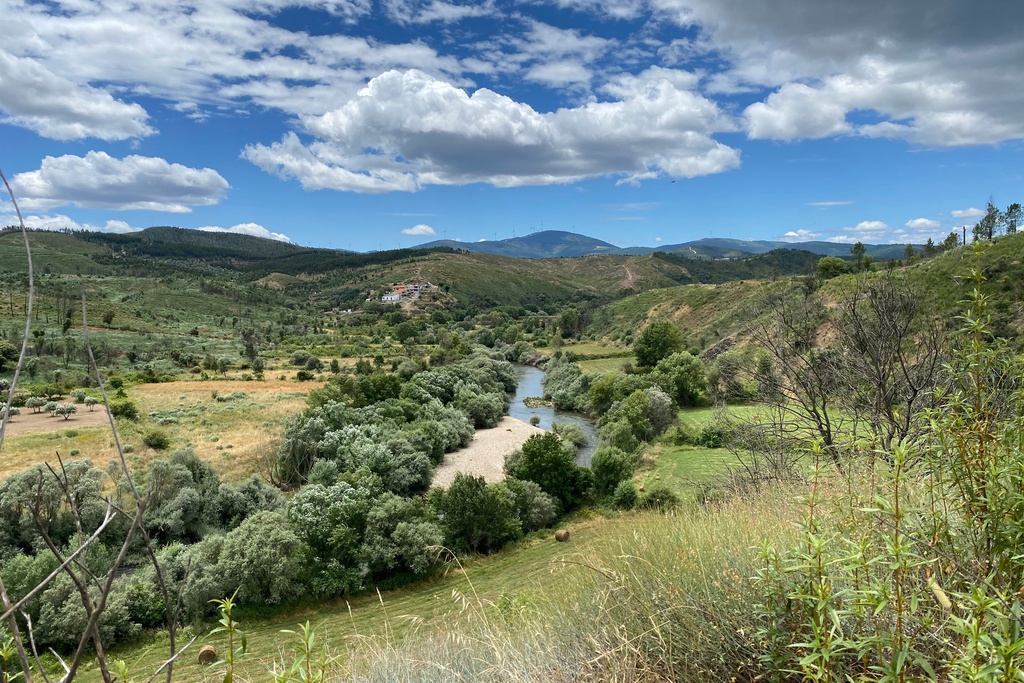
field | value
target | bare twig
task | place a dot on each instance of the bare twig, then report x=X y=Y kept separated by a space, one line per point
x=107 y=519
x=32 y=644
x=170 y=661
x=11 y=621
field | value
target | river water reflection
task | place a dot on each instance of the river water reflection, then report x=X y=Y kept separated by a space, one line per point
x=530 y=379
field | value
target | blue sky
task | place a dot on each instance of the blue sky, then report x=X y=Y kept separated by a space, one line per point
x=376 y=124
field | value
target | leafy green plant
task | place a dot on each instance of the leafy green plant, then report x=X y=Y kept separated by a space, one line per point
x=229 y=627
x=8 y=659
x=312 y=663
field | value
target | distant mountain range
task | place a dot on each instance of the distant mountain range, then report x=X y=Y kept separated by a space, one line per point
x=561 y=244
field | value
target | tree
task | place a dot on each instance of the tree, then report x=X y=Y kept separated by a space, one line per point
x=952 y=241
x=65 y=410
x=660 y=339
x=8 y=353
x=877 y=377
x=682 y=377
x=565 y=384
x=400 y=536
x=108 y=318
x=985 y=229
x=831 y=266
x=331 y=521
x=548 y=462
x=476 y=517
x=1012 y=218
x=610 y=467
x=264 y=559
x=858 y=250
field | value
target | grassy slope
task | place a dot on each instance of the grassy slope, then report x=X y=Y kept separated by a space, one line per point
x=51 y=252
x=484 y=279
x=557 y=595
x=705 y=313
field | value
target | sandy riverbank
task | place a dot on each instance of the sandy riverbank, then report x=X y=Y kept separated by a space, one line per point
x=485 y=454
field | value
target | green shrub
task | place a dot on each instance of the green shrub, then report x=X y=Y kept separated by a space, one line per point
x=711 y=436
x=659 y=497
x=610 y=466
x=157 y=439
x=124 y=408
x=625 y=495
x=477 y=517
x=545 y=460
x=660 y=339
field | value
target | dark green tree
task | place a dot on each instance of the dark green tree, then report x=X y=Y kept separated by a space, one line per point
x=683 y=378
x=659 y=340
x=858 y=250
x=831 y=266
x=985 y=229
x=550 y=463
x=476 y=517
x=1012 y=218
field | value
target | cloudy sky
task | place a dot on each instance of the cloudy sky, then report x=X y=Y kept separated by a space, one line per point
x=375 y=124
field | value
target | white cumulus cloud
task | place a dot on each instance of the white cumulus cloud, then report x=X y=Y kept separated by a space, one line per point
x=99 y=180
x=796 y=111
x=923 y=224
x=971 y=214
x=801 y=235
x=34 y=97
x=873 y=232
x=421 y=229
x=937 y=73
x=253 y=229
x=407 y=129
x=60 y=222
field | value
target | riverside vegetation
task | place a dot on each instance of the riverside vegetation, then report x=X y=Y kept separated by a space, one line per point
x=863 y=523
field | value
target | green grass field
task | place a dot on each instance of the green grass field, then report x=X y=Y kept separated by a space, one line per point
x=396 y=614
x=684 y=468
x=559 y=589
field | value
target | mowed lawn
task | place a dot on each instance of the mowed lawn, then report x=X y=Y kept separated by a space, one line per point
x=684 y=468
x=381 y=620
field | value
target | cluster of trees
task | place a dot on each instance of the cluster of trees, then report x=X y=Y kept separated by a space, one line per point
x=831 y=266
x=40 y=508
x=997 y=222
x=360 y=460
x=632 y=407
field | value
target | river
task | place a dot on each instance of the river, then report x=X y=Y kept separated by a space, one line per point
x=530 y=379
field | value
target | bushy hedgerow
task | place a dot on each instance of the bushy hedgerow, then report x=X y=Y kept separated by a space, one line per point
x=360 y=457
x=566 y=385
x=404 y=429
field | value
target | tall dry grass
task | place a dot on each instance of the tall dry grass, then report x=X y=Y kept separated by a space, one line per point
x=670 y=600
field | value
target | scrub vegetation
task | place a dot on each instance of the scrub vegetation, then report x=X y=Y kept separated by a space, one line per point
x=804 y=471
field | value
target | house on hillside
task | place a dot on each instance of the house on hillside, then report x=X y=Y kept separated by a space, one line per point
x=398 y=290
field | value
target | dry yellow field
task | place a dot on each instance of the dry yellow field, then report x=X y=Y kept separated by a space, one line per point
x=232 y=433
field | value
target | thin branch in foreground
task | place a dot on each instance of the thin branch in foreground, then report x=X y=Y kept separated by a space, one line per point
x=12 y=622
